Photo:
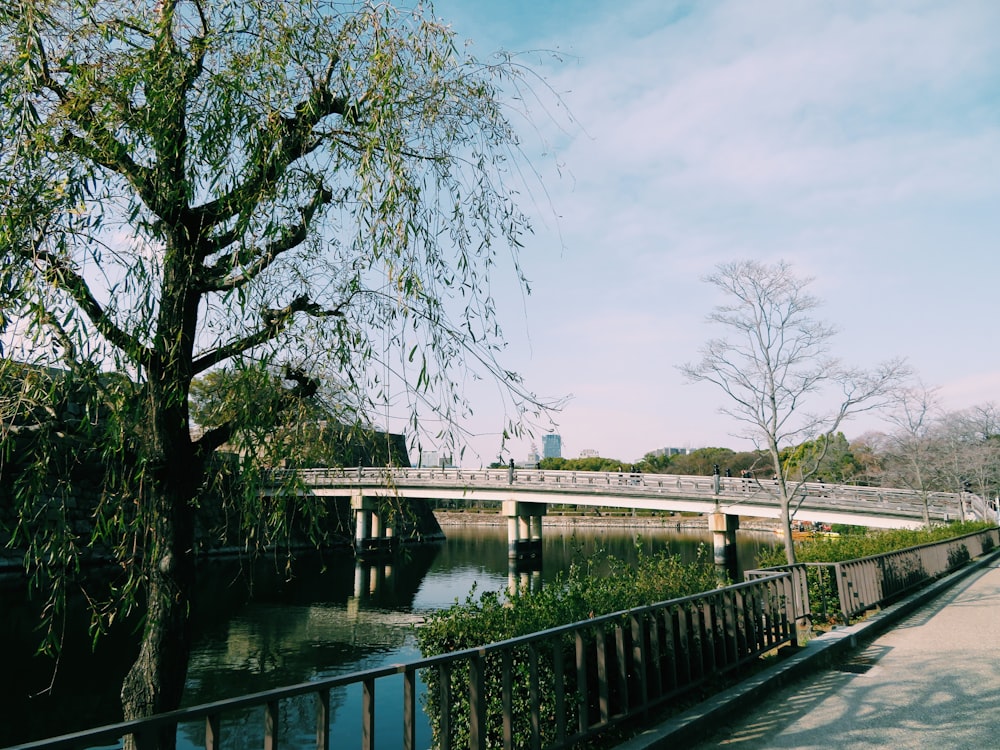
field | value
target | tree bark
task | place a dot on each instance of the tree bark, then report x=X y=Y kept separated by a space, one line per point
x=786 y=532
x=155 y=683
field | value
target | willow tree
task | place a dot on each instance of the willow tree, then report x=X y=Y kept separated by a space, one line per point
x=781 y=384
x=313 y=189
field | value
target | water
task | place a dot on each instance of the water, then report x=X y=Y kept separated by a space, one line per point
x=328 y=618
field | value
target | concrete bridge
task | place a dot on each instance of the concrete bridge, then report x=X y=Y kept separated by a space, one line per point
x=525 y=494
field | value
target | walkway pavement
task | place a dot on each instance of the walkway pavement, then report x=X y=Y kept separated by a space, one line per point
x=924 y=673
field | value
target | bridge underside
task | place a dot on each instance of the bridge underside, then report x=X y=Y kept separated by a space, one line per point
x=808 y=512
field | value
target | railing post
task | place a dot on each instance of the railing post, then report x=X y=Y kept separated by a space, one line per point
x=581 y=682
x=271 y=725
x=507 y=698
x=322 y=720
x=847 y=590
x=368 y=714
x=603 y=694
x=640 y=628
x=477 y=703
x=534 y=697
x=213 y=732
x=444 y=700
x=409 y=710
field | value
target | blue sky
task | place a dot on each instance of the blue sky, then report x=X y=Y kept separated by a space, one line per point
x=860 y=141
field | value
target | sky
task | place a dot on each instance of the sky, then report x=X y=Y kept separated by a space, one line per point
x=859 y=141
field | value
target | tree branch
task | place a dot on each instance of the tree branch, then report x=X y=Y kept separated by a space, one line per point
x=61 y=276
x=103 y=149
x=305 y=387
x=275 y=321
x=292 y=141
x=251 y=262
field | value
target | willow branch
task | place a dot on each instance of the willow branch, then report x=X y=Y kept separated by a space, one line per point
x=294 y=140
x=61 y=276
x=305 y=387
x=275 y=322
x=252 y=262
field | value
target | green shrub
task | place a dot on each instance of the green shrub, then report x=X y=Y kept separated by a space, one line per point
x=823 y=594
x=595 y=586
x=874 y=542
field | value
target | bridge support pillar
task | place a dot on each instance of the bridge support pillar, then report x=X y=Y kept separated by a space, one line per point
x=723 y=527
x=370 y=578
x=524 y=529
x=524 y=576
x=372 y=537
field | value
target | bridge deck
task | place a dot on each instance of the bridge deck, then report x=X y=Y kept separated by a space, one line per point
x=869 y=506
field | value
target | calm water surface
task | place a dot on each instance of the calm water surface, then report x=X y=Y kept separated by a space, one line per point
x=329 y=617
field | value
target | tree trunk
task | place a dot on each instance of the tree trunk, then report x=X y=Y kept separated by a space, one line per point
x=155 y=683
x=784 y=502
x=785 y=519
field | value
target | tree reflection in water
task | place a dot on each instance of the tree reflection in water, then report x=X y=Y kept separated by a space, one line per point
x=257 y=628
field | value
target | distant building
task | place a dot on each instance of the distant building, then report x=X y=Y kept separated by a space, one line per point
x=589 y=453
x=532 y=455
x=551 y=446
x=433 y=459
x=671 y=452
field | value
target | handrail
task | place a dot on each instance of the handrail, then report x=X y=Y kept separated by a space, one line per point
x=867 y=582
x=889 y=502
x=587 y=675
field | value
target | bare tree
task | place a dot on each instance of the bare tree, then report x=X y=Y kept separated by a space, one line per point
x=911 y=450
x=776 y=364
x=969 y=451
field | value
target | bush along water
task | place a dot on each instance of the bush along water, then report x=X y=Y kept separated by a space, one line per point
x=867 y=544
x=591 y=587
x=854 y=543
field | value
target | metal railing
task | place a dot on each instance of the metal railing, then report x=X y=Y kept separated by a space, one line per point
x=856 y=586
x=549 y=689
x=884 y=501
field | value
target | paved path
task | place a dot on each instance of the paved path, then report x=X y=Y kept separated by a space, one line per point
x=932 y=681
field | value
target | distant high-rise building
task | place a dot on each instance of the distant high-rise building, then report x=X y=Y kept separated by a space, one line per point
x=533 y=455
x=551 y=446
x=429 y=459
x=671 y=451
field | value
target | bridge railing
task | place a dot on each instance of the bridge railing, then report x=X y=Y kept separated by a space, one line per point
x=548 y=689
x=732 y=490
x=855 y=586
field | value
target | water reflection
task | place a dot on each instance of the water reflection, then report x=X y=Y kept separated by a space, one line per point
x=259 y=627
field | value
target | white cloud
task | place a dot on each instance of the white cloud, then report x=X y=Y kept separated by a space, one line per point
x=859 y=140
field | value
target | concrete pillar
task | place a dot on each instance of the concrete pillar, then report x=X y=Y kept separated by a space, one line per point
x=362 y=522
x=371 y=536
x=512 y=537
x=536 y=528
x=723 y=527
x=524 y=529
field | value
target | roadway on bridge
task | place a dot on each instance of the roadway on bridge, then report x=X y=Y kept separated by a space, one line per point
x=931 y=681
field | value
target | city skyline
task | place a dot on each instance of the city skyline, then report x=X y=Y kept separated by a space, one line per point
x=860 y=142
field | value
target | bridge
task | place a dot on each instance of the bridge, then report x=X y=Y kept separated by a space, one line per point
x=525 y=494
